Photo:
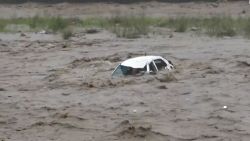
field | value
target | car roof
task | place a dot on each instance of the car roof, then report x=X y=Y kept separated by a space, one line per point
x=139 y=62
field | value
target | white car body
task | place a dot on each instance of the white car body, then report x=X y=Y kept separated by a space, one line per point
x=146 y=64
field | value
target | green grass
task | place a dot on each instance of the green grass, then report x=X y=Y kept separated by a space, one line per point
x=66 y=34
x=214 y=26
x=178 y=24
x=221 y=26
x=136 y=26
x=246 y=28
x=54 y=24
x=129 y=27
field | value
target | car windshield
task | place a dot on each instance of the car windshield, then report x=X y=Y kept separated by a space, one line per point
x=160 y=64
x=124 y=70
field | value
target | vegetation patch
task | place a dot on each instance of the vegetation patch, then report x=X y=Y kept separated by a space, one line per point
x=136 y=26
x=66 y=34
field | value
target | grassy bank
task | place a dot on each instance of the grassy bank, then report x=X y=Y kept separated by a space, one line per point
x=132 y=27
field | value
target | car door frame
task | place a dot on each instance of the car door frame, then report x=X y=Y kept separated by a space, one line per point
x=148 y=68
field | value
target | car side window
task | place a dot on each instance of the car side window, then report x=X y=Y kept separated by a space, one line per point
x=118 y=71
x=160 y=64
x=152 y=67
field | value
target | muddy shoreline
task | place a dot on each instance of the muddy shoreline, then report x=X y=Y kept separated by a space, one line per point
x=101 y=1
x=151 y=9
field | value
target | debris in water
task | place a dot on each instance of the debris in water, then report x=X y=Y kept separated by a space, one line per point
x=134 y=110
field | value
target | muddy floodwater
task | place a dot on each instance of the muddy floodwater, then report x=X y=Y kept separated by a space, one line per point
x=62 y=90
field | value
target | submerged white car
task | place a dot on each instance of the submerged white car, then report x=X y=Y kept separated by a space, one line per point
x=141 y=65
